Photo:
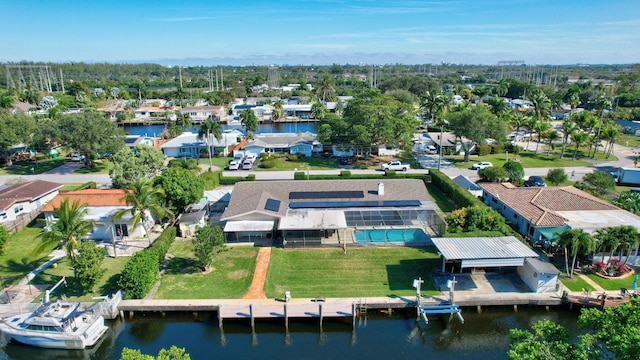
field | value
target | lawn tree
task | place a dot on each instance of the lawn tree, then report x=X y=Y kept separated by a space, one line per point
x=476 y=124
x=550 y=136
x=541 y=127
x=515 y=171
x=181 y=187
x=476 y=218
x=600 y=182
x=14 y=129
x=628 y=200
x=433 y=102
x=370 y=119
x=568 y=128
x=556 y=176
x=90 y=132
x=324 y=133
x=139 y=274
x=249 y=120
x=579 y=138
x=548 y=340
x=208 y=131
x=574 y=242
x=143 y=199
x=208 y=243
x=144 y=162
x=88 y=264
x=4 y=237
x=69 y=228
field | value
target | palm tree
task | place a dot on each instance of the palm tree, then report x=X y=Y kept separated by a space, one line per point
x=531 y=124
x=326 y=86
x=502 y=88
x=541 y=128
x=207 y=130
x=278 y=110
x=578 y=241
x=318 y=110
x=249 y=119
x=183 y=120
x=551 y=135
x=628 y=200
x=497 y=105
x=70 y=227
x=143 y=199
x=541 y=105
x=517 y=120
x=433 y=102
x=610 y=133
x=568 y=128
x=578 y=138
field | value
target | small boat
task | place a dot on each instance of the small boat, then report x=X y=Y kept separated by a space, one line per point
x=56 y=325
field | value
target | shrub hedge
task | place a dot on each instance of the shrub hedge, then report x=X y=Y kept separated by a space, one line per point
x=163 y=242
x=211 y=179
x=139 y=274
x=460 y=196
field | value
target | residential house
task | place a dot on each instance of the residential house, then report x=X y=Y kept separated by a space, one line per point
x=199 y=114
x=300 y=111
x=23 y=108
x=468 y=185
x=155 y=112
x=541 y=213
x=259 y=110
x=331 y=213
x=284 y=143
x=189 y=222
x=187 y=144
x=101 y=205
x=111 y=112
x=134 y=140
x=447 y=141
x=20 y=203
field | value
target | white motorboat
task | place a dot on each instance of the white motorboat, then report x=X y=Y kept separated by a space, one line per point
x=56 y=325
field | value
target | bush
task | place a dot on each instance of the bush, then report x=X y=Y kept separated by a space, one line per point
x=4 y=237
x=496 y=149
x=87 y=185
x=211 y=179
x=390 y=173
x=250 y=177
x=139 y=274
x=345 y=174
x=299 y=175
x=484 y=150
x=493 y=174
x=476 y=218
x=267 y=164
x=292 y=158
x=460 y=196
x=163 y=242
x=515 y=171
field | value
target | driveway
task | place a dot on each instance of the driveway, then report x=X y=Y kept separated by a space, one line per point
x=65 y=169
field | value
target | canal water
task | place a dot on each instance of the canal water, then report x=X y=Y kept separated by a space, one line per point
x=280 y=127
x=378 y=336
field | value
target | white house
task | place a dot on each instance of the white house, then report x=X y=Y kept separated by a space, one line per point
x=287 y=143
x=153 y=112
x=188 y=144
x=204 y=113
x=18 y=201
x=101 y=204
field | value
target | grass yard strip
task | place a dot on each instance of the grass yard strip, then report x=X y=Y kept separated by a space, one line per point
x=527 y=159
x=576 y=283
x=230 y=277
x=312 y=163
x=358 y=273
x=612 y=284
x=97 y=167
x=442 y=200
x=39 y=167
x=107 y=285
x=19 y=257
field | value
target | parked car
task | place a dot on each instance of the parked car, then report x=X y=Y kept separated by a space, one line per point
x=77 y=157
x=481 y=165
x=235 y=164
x=534 y=181
x=247 y=164
x=395 y=165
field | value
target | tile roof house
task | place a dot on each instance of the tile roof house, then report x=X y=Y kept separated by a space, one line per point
x=18 y=201
x=318 y=212
x=101 y=205
x=541 y=212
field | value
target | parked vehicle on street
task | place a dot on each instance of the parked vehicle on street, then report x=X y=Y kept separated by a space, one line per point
x=628 y=176
x=235 y=164
x=534 y=181
x=247 y=164
x=395 y=165
x=481 y=165
x=77 y=157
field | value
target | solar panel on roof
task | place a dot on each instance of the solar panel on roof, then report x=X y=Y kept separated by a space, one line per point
x=326 y=194
x=348 y=204
x=272 y=205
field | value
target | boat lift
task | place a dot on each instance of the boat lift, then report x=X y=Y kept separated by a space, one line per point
x=437 y=309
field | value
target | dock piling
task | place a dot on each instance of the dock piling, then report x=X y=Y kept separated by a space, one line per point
x=286 y=318
x=320 y=313
x=253 y=320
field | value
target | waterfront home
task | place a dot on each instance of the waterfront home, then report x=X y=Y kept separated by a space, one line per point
x=101 y=205
x=20 y=203
x=188 y=145
x=199 y=114
x=134 y=140
x=540 y=213
x=154 y=112
x=284 y=143
x=331 y=213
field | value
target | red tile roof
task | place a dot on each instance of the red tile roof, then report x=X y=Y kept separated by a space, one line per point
x=90 y=197
x=28 y=191
x=540 y=204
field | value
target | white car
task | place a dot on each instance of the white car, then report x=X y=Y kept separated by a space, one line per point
x=77 y=157
x=235 y=164
x=395 y=165
x=481 y=165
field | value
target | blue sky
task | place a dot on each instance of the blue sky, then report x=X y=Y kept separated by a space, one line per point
x=321 y=31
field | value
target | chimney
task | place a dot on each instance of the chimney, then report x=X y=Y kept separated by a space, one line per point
x=380 y=189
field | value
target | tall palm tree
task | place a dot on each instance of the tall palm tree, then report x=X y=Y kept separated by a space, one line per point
x=70 y=227
x=541 y=105
x=497 y=105
x=541 y=128
x=551 y=135
x=433 y=102
x=568 y=128
x=249 y=119
x=578 y=241
x=326 y=86
x=502 y=88
x=578 y=138
x=143 y=199
x=278 y=107
x=531 y=124
x=318 y=110
x=210 y=129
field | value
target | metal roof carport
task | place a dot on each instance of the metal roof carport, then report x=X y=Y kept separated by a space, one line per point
x=483 y=251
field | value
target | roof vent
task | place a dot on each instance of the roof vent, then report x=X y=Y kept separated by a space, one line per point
x=380 y=189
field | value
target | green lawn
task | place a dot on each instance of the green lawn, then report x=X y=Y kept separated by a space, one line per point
x=628 y=140
x=576 y=283
x=39 y=167
x=97 y=167
x=359 y=272
x=230 y=278
x=612 y=284
x=441 y=199
x=19 y=257
x=219 y=161
x=312 y=163
x=106 y=286
x=527 y=159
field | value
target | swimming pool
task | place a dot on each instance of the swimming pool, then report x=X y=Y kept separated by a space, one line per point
x=417 y=236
